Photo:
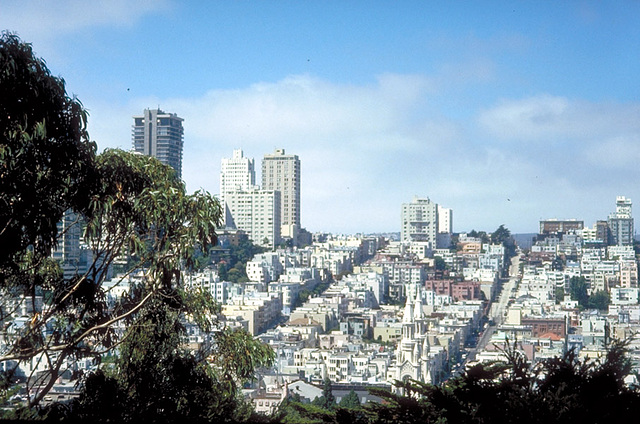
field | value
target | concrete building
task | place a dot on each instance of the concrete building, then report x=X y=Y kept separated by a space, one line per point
x=257 y=212
x=445 y=220
x=159 y=134
x=555 y=226
x=260 y=310
x=236 y=174
x=419 y=221
x=67 y=251
x=621 y=223
x=427 y=222
x=281 y=172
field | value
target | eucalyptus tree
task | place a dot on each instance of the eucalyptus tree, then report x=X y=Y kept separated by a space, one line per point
x=133 y=212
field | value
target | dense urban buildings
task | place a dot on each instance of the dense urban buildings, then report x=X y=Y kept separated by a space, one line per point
x=281 y=172
x=159 y=134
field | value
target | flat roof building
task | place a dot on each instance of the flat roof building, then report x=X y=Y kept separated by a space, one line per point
x=160 y=135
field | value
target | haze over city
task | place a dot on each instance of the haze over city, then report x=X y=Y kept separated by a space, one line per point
x=505 y=112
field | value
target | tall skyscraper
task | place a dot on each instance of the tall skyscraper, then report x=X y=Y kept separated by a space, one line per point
x=159 y=134
x=236 y=174
x=281 y=172
x=621 y=223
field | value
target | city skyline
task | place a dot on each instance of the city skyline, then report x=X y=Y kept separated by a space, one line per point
x=507 y=113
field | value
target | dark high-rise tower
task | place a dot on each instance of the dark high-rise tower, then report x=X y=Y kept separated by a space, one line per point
x=159 y=134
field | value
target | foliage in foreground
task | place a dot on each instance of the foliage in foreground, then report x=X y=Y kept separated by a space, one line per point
x=124 y=205
x=558 y=390
x=157 y=379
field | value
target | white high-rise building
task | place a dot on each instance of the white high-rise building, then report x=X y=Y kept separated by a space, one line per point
x=621 y=223
x=445 y=220
x=420 y=221
x=257 y=212
x=281 y=172
x=236 y=174
x=426 y=221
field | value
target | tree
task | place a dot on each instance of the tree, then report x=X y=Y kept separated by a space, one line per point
x=501 y=235
x=578 y=289
x=326 y=401
x=351 y=400
x=156 y=379
x=128 y=206
x=557 y=390
x=599 y=300
x=45 y=155
x=439 y=263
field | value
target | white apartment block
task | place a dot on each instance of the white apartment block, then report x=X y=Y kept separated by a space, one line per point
x=629 y=274
x=209 y=281
x=257 y=212
x=288 y=292
x=264 y=267
x=236 y=174
x=621 y=253
x=281 y=172
x=625 y=296
x=422 y=221
x=445 y=220
x=621 y=222
x=419 y=221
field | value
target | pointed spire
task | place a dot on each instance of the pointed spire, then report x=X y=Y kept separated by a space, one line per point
x=408 y=312
x=418 y=313
x=426 y=347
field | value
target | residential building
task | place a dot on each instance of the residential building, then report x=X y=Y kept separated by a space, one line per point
x=257 y=212
x=281 y=172
x=159 y=134
x=419 y=221
x=67 y=251
x=557 y=226
x=445 y=220
x=236 y=174
x=621 y=223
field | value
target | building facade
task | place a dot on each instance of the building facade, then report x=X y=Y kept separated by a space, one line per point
x=256 y=212
x=420 y=221
x=445 y=220
x=236 y=174
x=281 y=172
x=556 y=226
x=621 y=223
x=160 y=135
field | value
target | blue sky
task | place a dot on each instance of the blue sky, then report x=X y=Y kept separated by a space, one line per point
x=506 y=112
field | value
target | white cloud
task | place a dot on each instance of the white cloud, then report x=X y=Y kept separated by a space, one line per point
x=343 y=134
x=39 y=19
x=555 y=119
x=617 y=153
x=367 y=149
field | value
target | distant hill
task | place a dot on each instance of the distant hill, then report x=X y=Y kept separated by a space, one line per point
x=524 y=240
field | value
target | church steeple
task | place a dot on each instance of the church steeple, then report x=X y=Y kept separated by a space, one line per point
x=418 y=313
x=408 y=312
